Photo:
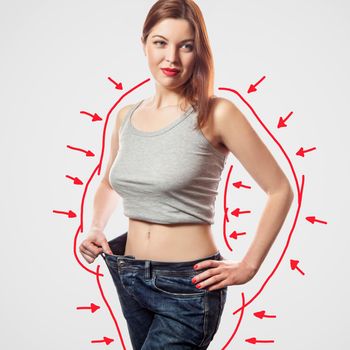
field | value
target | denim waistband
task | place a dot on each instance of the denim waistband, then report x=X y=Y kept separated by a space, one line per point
x=131 y=261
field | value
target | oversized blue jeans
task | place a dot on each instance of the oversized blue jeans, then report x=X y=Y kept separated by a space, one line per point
x=162 y=307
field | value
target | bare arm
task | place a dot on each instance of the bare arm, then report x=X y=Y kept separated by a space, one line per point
x=241 y=139
x=105 y=202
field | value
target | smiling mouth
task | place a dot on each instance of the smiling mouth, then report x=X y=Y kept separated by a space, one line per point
x=171 y=69
x=170 y=72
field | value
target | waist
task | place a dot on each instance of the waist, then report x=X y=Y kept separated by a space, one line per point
x=174 y=242
x=166 y=267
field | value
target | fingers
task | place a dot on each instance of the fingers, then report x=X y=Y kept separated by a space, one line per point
x=211 y=274
x=90 y=251
x=88 y=258
x=206 y=264
x=106 y=248
x=213 y=281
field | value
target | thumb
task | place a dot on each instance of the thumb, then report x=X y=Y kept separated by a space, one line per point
x=106 y=248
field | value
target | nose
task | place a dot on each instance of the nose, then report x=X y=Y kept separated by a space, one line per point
x=171 y=54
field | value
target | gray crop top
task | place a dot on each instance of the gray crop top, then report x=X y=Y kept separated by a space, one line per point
x=167 y=176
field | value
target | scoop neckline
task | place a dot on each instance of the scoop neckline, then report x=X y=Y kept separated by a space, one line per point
x=159 y=131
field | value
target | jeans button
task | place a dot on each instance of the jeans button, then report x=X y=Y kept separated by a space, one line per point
x=121 y=263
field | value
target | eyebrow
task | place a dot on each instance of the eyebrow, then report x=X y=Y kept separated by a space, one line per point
x=182 y=41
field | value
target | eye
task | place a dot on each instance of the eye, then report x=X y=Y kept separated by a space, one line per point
x=159 y=42
x=189 y=46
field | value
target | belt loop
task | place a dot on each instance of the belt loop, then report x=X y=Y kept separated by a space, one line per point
x=147 y=269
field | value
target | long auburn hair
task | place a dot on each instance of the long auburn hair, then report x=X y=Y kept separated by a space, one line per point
x=198 y=89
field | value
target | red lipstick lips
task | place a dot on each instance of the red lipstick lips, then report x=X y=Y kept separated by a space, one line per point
x=171 y=69
x=170 y=72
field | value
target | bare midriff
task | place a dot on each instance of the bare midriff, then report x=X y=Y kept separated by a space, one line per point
x=170 y=243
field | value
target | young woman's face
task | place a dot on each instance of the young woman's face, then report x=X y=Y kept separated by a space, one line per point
x=170 y=44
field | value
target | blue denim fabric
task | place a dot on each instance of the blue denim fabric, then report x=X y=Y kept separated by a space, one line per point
x=162 y=307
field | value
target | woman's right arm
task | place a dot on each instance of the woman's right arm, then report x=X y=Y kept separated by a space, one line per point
x=105 y=202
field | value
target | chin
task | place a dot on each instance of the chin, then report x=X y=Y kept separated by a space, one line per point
x=166 y=82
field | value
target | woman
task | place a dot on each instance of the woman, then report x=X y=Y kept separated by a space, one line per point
x=174 y=148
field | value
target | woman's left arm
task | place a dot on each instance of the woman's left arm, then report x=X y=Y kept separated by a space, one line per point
x=236 y=133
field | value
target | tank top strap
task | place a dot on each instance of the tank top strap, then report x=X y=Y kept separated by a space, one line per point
x=128 y=114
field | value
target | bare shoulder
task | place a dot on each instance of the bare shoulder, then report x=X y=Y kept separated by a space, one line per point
x=122 y=113
x=238 y=135
x=224 y=109
x=120 y=116
x=227 y=119
x=233 y=129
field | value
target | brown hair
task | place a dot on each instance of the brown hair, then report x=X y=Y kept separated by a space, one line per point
x=198 y=90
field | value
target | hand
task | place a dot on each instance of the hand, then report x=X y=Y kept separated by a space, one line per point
x=94 y=244
x=222 y=273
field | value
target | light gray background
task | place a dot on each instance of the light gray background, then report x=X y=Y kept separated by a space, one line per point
x=55 y=60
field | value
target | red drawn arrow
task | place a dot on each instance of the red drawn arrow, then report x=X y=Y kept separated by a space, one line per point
x=226 y=215
x=238 y=184
x=237 y=212
x=105 y=340
x=313 y=219
x=92 y=307
x=70 y=213
x=252 y=88
x=76 y=181
x=235 y=234
x=95 y=116
x=118 y=86
x=294 y=266
x=301 y=151
x=282 y=122
x=261 y=314
x=87 y=153
x=254 y=341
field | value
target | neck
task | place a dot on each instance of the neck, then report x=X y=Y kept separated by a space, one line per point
x=164 y=98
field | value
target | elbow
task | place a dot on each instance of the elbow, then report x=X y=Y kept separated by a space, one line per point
x=290 y=195
x=288 y=192
x=285 y=190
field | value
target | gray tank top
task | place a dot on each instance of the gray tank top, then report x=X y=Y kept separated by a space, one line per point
x=167 y=176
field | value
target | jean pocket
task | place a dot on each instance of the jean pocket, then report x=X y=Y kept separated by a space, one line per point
x=177 y=285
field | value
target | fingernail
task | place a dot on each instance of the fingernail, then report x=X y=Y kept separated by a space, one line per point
x=198 y=286
x=193 y=280
x=195 y=267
